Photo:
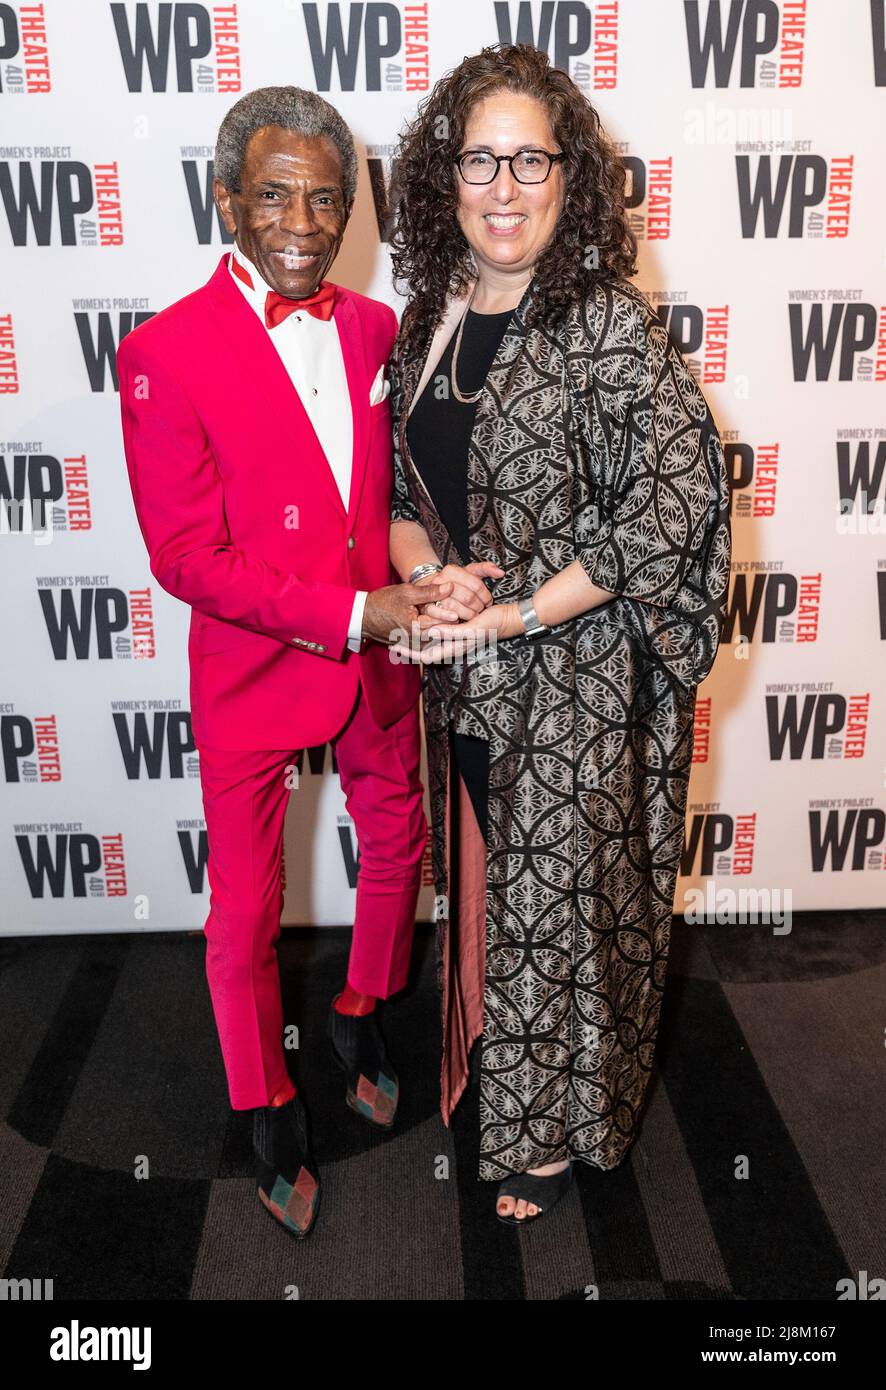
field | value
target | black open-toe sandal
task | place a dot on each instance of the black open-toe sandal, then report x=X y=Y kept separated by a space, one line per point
x=542 y=1192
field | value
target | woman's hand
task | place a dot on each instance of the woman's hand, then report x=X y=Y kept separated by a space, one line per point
x=451 y=642
x=469 y=595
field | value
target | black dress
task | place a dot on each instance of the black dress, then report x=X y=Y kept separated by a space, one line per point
x=438 y=433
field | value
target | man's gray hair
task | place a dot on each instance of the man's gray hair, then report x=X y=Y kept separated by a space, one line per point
x=294 y=109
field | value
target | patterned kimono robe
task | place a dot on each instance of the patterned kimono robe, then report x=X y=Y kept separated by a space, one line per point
x=594 y=443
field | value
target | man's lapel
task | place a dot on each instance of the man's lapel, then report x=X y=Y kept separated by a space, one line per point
x=260 y=365
x=350 y=332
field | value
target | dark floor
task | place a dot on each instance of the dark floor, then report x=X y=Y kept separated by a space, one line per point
x=771 y=1061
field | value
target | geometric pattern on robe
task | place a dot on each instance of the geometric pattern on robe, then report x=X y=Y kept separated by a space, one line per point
x=591 y=441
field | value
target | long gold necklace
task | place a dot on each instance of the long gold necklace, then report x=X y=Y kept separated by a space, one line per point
x=459 y=396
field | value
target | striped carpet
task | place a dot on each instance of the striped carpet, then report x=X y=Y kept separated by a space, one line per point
x=125 y=1174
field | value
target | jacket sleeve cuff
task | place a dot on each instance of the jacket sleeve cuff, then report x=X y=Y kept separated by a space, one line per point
x=355 y=627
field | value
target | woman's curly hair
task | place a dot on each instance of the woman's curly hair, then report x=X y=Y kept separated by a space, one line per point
x=431 y=258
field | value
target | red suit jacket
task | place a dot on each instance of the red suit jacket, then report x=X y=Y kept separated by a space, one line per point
x=243 y=520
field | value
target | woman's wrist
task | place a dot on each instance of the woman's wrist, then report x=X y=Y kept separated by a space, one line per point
x=424 y=571
x=530 y=620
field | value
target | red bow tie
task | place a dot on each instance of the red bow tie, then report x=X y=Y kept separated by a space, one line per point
x=279 y=306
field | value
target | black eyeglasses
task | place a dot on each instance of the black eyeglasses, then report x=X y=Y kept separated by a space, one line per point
x=527 y=166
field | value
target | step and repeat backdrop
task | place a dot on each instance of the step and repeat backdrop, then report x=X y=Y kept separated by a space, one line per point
x=752 y=131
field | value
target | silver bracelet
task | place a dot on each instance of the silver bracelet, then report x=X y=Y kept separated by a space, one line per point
x=531 y=622
x=421 y=570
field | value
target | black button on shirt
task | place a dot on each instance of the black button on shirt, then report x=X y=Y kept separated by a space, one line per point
x=439 y=430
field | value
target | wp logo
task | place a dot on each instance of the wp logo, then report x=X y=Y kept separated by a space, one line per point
x=701 y=335
x=819 y=725
x=81 y=201
x=54 y=857
x=844 y=340
x=96 y=618
x=371 y=48
x=29 y=746
x=201 y=46
x=756 y=43
x=581 y=42
x=771 y=605
x=163 y=747
x=198 y=175
x=24 y=54
x=846 y=835
x=43 y=492
x=801 y=195
x=753 y=474
x=100 y=335
x=649 y=196
x=718 y=844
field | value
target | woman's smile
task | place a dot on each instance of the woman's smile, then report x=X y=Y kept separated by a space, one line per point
x=505 y=224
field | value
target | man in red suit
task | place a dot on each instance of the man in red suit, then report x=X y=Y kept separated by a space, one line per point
x=257 y=432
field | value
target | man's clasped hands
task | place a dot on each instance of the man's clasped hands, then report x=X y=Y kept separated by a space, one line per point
x=442 y=616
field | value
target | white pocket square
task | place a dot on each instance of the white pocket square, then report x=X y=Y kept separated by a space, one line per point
x=381 y=387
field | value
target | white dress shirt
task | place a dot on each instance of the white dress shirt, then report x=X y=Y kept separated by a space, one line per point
x=310 y=350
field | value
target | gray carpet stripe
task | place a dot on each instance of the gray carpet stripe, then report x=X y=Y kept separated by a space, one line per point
x=34 y=980
x=557 y=1257
x=678 y=1221
x=22 y=1167
x=820 y=1048
x=152 y=1074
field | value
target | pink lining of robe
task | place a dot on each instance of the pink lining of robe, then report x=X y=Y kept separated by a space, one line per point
x=464 y=975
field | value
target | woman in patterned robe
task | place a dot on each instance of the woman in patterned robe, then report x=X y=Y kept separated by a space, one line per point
x=590 y=443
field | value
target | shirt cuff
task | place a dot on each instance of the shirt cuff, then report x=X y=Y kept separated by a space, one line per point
x=355 y=627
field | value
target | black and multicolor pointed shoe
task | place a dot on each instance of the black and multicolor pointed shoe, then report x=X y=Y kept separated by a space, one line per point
x=287 y=1177
x=359 y=1049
